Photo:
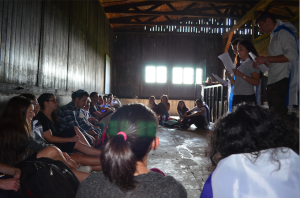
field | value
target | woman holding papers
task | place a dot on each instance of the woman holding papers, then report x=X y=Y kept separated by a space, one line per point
x=246 y=76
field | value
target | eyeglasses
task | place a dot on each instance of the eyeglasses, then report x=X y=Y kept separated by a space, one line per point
x=54 y=100
x=36 y=104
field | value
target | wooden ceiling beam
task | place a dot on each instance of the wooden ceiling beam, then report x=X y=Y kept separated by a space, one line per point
x=290 y=12
x=170 y=6
x=259 y=6
x=189 y=7
x=154 y=7
x=152 y=18
x=215 y=8
x=156 y=13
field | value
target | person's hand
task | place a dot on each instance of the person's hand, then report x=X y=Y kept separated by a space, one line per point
x=260 y=60
x=10 y=184
x=97 y=140
x=17 y=173
x=227 y=73
x=255 y=65
x=237 y=73
x=66 y=156
x=94 y=119
x=74 y=138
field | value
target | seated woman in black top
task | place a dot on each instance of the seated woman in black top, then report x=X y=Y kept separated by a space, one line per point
x=67 y=140
x=163 y=107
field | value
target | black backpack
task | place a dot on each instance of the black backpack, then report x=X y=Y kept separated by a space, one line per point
x=47 y=178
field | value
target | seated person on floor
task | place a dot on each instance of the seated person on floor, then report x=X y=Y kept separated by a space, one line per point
x=250 y=155
x=72 y=115
x=124 y=160
x=181 y=110
x=90 y=118
x=197 y=116
x=163 y=108
x=16 y=141
x=96 y=112
x=152 y=105
x=66 y=140
x=111 y=102
x=10 y=182
x=116 y=102
x=105 y=104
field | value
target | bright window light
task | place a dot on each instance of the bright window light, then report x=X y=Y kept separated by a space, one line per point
x=188 y=75
x=177 y=75
x=199 y=76
x=156 y=74
x=150 y=74
x=161 y=76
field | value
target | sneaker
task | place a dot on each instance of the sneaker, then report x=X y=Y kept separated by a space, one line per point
x=85 y=169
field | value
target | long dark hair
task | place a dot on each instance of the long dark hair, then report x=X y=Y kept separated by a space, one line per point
x=14 y=133
x=166 y=96
x=249 y=129
x=249 y=46
x=119 y=157
x=183 y=110
x=45 y=97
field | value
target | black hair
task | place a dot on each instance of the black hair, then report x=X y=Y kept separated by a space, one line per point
x=105 y=96
x=199 y=100
x=249 y=129
x=236 y=41
x=119 y=157
x=263 y=17
x=167 y=99
x=250 y=48
x=29 y=96
x=45 y=97
x=93 y=94
x=79 y=94
x=15 y=130
x=183 y=110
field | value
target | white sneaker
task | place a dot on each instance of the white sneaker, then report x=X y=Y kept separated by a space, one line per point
x=85 y=169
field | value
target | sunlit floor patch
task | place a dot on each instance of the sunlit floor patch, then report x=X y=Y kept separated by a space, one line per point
x=184 y=152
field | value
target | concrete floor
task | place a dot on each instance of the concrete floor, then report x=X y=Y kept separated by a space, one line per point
x=181 y=155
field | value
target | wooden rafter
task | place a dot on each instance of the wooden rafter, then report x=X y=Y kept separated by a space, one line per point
x=154 y=7
x=290 y=12
x=170 y=6
x=259 y=6
x=189 y=7
x=215 y=8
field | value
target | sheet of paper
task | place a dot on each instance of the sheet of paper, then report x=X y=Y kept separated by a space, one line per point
x=220 y=80
x=263 y=68
x=225 y=58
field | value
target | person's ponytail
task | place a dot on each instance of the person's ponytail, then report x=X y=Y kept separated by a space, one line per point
x=119 y=163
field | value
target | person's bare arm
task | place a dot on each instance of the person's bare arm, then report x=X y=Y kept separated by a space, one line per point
x=55 y=139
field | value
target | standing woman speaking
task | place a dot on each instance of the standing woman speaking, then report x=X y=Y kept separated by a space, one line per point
x=246 y=76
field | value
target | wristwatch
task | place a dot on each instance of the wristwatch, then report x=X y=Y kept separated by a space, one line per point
x=244 y=76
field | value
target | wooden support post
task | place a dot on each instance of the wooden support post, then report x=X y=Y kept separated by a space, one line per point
x=228 y=42
x=258 y=7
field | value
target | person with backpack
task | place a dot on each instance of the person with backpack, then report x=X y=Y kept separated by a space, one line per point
x=132 y=133
x=197 y=116
x=16 y=142
x=66 y=140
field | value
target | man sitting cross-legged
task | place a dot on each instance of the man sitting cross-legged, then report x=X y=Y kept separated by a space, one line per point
x=72 y=115
x=197 y=116
x=95 y=111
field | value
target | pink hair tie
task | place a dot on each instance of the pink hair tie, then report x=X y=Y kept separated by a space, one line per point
x=124 y=134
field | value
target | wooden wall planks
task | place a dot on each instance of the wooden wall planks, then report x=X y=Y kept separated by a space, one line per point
x=133 y=51
x=54 y=44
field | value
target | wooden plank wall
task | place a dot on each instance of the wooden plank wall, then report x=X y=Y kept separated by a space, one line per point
x=133 y=51
x=56 y=46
